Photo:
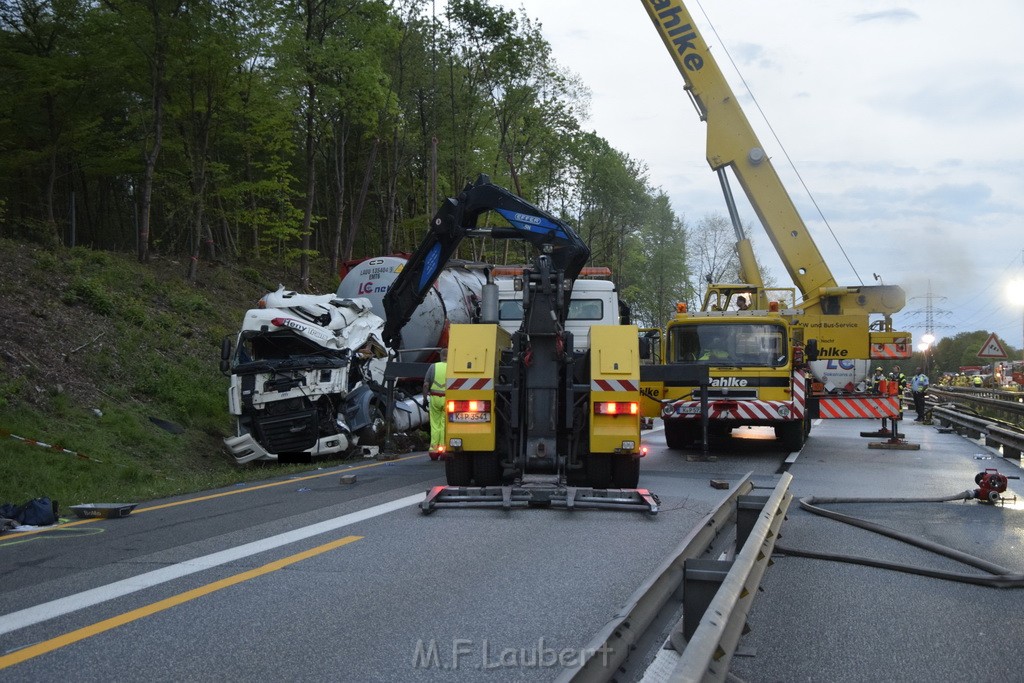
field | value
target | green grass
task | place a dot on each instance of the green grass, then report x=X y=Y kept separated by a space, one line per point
x=99 y=344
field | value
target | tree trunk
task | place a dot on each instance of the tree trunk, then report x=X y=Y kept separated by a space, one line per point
x=357 y=210
x=340 y=140
x=307 y=218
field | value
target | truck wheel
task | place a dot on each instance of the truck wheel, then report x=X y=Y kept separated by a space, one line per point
x=599 y=470
x=678 y=434
x=373 y=433
x=791 y=434
x=458 y=469
x=487 y=469
x=625 y=472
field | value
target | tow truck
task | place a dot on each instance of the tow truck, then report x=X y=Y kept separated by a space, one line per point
x=774 y=366
x=530 y=420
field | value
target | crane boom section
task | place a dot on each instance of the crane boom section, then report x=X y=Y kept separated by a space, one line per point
x=731 y=142
x=456 y=219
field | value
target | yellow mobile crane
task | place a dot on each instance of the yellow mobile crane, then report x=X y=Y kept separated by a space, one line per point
x=761 y=375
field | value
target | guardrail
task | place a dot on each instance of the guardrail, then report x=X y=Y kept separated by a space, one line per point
x=713 y=620
x=1007 y=403
x=997 y=436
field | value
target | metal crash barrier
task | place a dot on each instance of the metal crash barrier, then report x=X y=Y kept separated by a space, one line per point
x=716 y=595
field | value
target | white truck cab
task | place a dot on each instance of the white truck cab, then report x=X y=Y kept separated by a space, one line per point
x=594 y=302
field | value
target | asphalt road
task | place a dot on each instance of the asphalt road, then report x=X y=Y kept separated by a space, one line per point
x=306 y=577
x=836 y=622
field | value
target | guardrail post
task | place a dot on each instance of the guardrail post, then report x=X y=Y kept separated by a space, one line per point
x=748 y=510
x=701 y=581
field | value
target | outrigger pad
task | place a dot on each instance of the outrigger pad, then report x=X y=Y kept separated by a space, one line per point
x=540 y=495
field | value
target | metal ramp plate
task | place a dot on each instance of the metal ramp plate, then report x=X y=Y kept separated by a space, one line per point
x=539 y=495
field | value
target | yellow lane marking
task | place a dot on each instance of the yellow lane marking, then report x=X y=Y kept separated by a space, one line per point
x=187 y=501
x=106 y=625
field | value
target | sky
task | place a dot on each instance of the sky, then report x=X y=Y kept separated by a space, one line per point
x=905 y=122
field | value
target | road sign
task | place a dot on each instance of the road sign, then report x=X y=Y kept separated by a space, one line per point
x=992 y=348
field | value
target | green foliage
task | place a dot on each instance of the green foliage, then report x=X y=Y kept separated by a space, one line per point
x=90 y=380
x=90 y=293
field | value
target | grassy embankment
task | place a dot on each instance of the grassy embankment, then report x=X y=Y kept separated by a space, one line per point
x=94 y=346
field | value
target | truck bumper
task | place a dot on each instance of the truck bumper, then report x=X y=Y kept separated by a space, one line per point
x=245 y=448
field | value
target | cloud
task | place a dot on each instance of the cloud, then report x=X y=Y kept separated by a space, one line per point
x=894 y=16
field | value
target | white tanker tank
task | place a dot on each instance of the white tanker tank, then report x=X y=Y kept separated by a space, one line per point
x=454 y=298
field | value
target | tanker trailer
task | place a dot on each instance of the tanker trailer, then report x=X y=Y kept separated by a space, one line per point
x=454 y=299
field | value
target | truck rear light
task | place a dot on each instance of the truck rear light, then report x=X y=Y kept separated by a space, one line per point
x=469 y=406
x=616 y=408
x=469 y=411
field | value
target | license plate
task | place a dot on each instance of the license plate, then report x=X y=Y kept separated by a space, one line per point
x=469 y=417
x=689 y=410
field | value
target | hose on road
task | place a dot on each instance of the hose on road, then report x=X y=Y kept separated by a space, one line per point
x=999 y=577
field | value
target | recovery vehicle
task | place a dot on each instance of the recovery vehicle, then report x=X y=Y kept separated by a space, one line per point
x=530 y=420
x=778 y=358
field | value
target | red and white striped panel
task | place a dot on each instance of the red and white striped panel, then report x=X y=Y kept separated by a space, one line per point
x=799 y=405
x=469 y=383
x=853 y=407
x=890 y=351
x=614 y=385
x=741 y=410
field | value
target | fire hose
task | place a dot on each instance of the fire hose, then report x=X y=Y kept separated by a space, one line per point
x=999 y=577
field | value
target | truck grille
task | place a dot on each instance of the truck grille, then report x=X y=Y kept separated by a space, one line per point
x=292 y=433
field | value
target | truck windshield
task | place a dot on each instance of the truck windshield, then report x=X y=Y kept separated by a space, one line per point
x=579 y=309
x=740 y=344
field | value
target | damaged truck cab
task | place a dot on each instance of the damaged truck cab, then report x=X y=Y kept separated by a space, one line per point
x=305 y=377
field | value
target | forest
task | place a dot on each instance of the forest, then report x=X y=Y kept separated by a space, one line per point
x=314 y=131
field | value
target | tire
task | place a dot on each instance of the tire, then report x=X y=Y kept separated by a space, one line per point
x=458 y=469
x=599 y=470
x=677 y=435
x=791 y=434
x=487 y=469
x=625 y=472
x=373 y=433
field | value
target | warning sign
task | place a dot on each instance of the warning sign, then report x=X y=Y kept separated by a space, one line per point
x=992 y=348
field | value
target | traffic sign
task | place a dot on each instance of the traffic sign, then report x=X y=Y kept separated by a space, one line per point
x=992 y=348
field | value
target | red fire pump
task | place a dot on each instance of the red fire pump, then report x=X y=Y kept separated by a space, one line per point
x=991 y=484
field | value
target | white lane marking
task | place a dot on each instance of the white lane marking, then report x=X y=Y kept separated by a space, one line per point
x=56 y=608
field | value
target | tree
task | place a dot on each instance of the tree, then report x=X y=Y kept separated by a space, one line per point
x=656 y=269
x=712 y=255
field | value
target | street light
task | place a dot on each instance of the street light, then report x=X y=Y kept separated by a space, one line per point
x=926 y=343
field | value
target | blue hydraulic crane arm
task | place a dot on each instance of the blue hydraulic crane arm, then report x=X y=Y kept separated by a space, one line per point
x=457 y=219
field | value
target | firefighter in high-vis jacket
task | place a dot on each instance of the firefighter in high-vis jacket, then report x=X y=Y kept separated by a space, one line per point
x=433 y=395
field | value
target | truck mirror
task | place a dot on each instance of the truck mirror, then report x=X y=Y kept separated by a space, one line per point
x=811 y=349
x=645 y=348
x=225 y=355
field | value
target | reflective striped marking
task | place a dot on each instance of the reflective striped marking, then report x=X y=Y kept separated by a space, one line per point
x=613 y=385
x=740 y=410
x=799 y=394
x=853 y=407
x=470 y=383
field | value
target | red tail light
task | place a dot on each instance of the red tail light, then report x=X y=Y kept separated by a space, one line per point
x=615 y=408
x=469 y=406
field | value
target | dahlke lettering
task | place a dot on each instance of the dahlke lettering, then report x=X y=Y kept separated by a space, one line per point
x=682 y=35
